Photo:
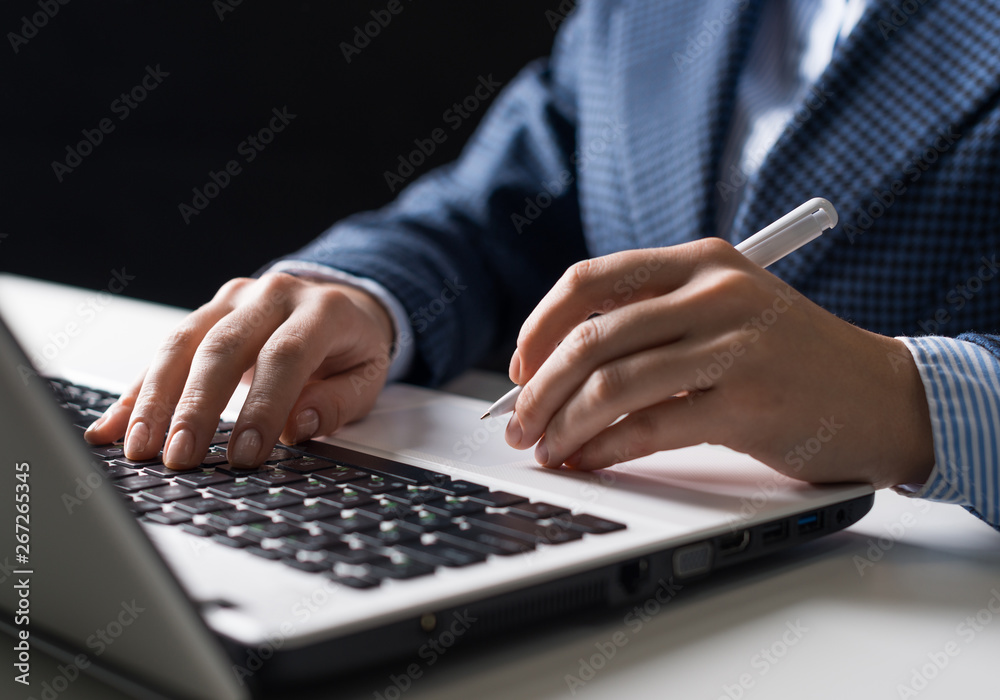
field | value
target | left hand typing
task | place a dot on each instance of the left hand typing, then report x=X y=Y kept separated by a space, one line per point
x=697 y=344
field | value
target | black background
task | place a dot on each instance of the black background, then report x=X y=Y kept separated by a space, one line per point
x=119 y=207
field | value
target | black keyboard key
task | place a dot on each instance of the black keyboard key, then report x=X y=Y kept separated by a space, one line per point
x=458 y=488
x=233 y=540
x=140 y=507
x=238 y=489
x=272 y=554
x=485 y=541
x=143 y=481
x=169 y=493
x=347 y=555
x=339 y=474
x=308 y=541
x=311 y=488
x=346 y=499
x=512 y=525
x=232 y=517
x=387 y=534
x=272 y=501
x=497 y=499
x=108 y=451
x=440 y=554
x=267 y=529
x=138 y=464
x=216 y=458
x=173 y=517
x=201 y=505
x=161 y=470
x=453 y=508
x=220 y=438
x=306 y=464
x=377 y=485
x=310 y=565
x=537 y=510
x=115 y=471
x=415 y=496
x=280 y=453
x=360 y=582
x=201 y=479
x=343 y=526
x=401 y=567
x=314 y=511
x=384 y=510
x=425 y=521
x=588 y=524
x=275 y=477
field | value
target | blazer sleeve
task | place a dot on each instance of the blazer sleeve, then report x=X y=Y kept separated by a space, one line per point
x=451 y=247
x=961 y=379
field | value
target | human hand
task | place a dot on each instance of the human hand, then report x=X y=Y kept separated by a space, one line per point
x=305 y=340
x=697 y=344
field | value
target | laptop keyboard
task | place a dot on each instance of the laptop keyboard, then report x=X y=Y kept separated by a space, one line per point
x=357 y=519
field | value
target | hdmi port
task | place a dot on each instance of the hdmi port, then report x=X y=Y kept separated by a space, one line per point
x=736 y=542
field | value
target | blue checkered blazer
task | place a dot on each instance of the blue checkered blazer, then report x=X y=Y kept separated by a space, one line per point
x=615 y=142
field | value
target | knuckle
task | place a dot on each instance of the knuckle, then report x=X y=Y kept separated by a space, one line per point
x=286 y=347
x=608 y=383
x=584 y=340
x=232 y=287
x=222 y=342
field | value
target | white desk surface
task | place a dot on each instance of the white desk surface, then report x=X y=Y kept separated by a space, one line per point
x=904 y=604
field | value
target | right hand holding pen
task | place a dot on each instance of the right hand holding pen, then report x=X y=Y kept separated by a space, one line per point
x=304 y=339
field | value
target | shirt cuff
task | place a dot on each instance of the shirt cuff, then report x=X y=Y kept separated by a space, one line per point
x=962 y=385
x=402 y=347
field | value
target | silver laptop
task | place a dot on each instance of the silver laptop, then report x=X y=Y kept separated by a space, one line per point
x=410 y=532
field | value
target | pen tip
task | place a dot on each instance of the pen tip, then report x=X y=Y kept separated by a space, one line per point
x=484 y=416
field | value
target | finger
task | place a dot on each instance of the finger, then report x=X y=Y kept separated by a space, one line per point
x=594 y=286
x=625 y=385
x=325 y=405
x=594 y=344
x=669 y=425
x=285 y=364
x=113 y=422
x=225 y=352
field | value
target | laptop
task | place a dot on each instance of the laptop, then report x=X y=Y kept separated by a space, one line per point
x=409 y=532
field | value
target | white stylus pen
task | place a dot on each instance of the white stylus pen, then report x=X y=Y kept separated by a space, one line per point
x=769 y=245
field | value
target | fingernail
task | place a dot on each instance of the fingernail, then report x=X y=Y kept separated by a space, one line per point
x=180 y=447
x=542 y=453
x=515 y=368
x=514 y=431
x=96 y=424
x=306 y=424
x=137 y=438
x=245 y=450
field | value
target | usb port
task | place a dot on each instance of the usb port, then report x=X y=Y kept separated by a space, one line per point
x=811 y=522
x=776 y=532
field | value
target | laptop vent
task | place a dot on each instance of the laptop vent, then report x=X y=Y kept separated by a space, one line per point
x=496 y=617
